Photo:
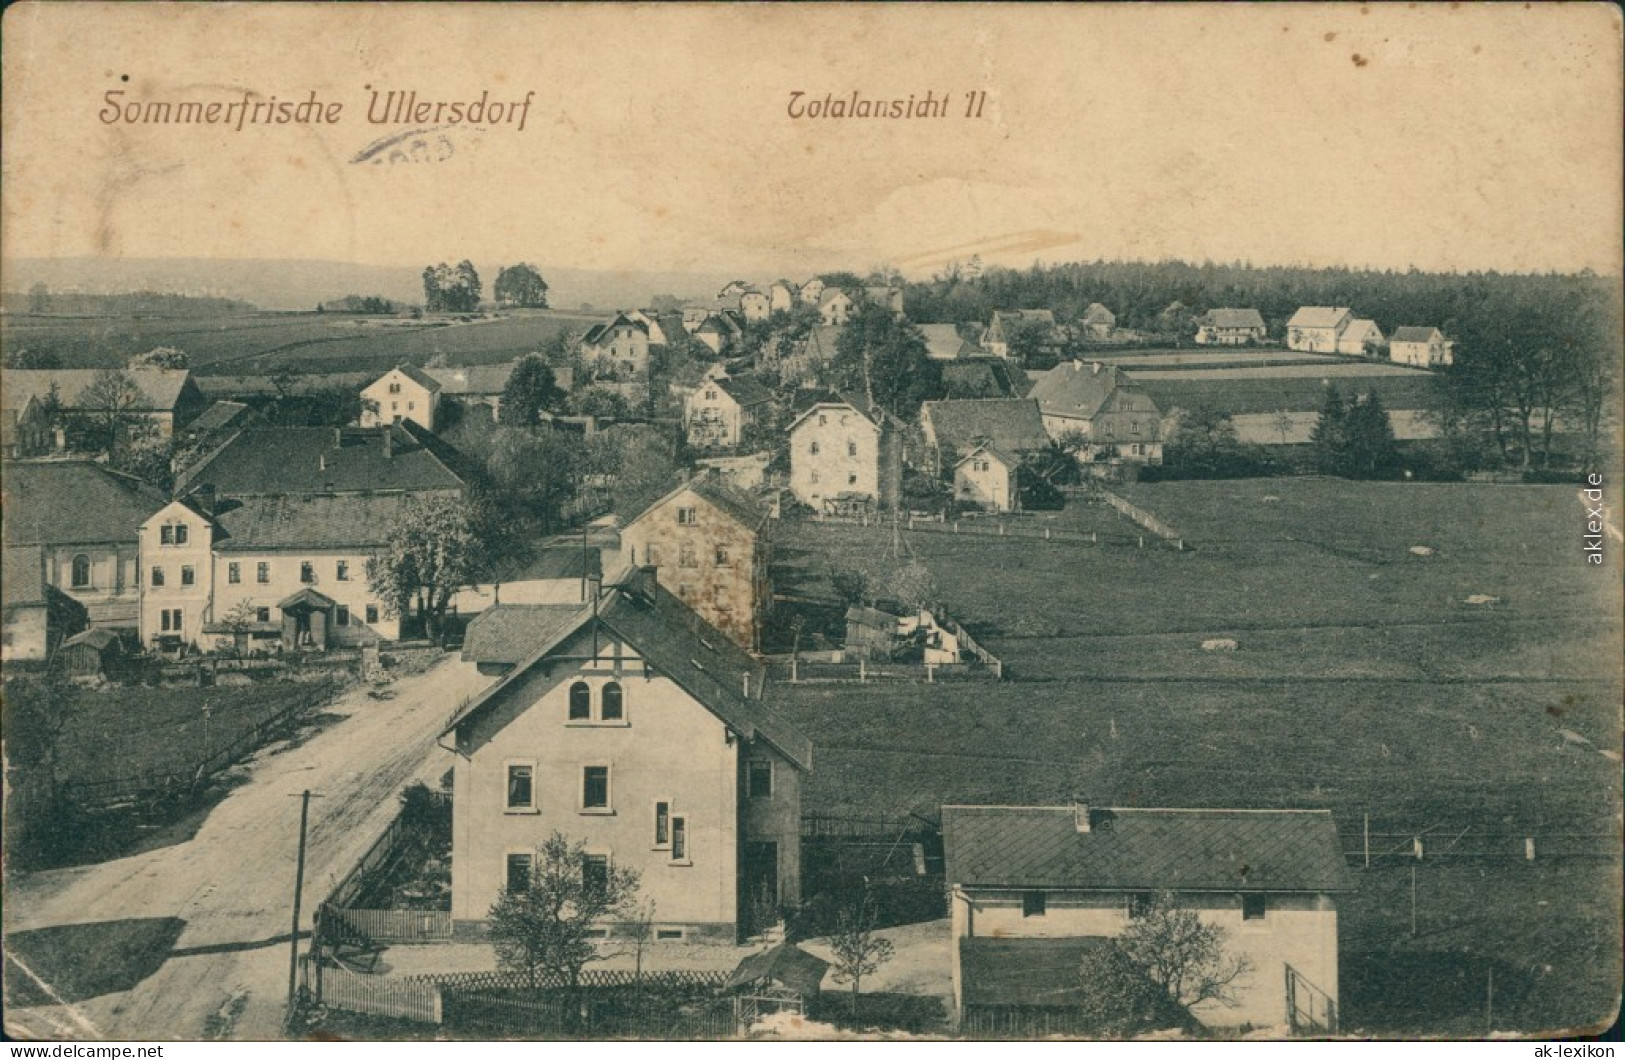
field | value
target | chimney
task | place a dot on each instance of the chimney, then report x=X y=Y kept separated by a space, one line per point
x=595 y=586
x=1080 y=816
x=389 y=442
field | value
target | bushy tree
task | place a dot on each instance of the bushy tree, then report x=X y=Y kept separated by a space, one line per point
x=110 y=417
x=448 y=289
x=160 y=357
x=537 y=471
x=883 y=357
x=1184 y=957
x=437 y=549
x=531 y=390
x=521 y=285
x=638 y=462
x=543 y=931
x=1118 y=999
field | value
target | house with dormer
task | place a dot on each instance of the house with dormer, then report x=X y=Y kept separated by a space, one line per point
x=709 y=544
x=1033 y=887
x=634 y=726
x=617 y=349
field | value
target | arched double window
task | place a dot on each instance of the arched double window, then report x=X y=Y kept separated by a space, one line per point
x=610 y=705
x=81 y=571
x=611 y=702
x=580 y=702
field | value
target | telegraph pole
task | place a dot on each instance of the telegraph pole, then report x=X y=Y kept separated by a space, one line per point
x=298 y=886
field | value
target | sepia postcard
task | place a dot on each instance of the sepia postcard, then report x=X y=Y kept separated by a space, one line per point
x=812 y=522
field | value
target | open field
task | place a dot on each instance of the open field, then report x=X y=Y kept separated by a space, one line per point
x=265 y=343
x=1363 y=683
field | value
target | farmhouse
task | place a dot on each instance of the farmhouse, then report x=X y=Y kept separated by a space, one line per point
x=405 y=392
x=709 y=544
x=1420 y=348
x=953 y=428
x=983 y=377
x=1104 y=408
x=845 y=454
x=782 y=297
x=986 y=477
x=1098 y=322
x=803 y=364
x=755 y=304
x=479 y=385
x=1230 y=327
x=835 y=306
x=1361 y=338
x=812 y=291
x=943 y=342
x=1007 y=324
x=718 y=411
x=1317 y=329
x=719 y=331
x=635 y=726
x=1034 y=875
x=618 y=349
x=165 y=397
x=217 y=423
x=25 y=430
x=37 y=616
x=84 y=520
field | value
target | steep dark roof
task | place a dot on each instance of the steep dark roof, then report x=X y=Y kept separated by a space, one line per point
x=218 y=416
x=736 y=502
x=1077 y=389
x=1136 y=849
x=1410 y=334
x=1233 y=318
x=509 y=633
x=745 y=390
x=419 y=376
x=682 y=646
x=307 y=597
x=785 y=963
x=267 y=460
x=99 y=638
x=1012 y=424
x=307 y=521
x=160 y=387
x=22 y=576
x=481 y=379
x=72 y=502
x=1097 y=313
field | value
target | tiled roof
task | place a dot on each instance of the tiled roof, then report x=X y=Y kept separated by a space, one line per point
x=22 y=576
x=549 y=563
x=1233 y=318
x=1077 y=389
x=218 y=416
x=745 y=389
x=743 y=507
x=944 y=343
x=481 y=379
x=509 y=633
x=1098 y=314
x=682 y=646
x=785 y=963
x=1003 y=456
x=99 y=638
x=1317 y=316
x=307 y=597
x=310 y=521
x=1010 y=423
x=1024 y=316
x=1140 y=849
x=160 y=387
x=419 y=376
x=1409 y=334
x=264 y=460
x=65 y=502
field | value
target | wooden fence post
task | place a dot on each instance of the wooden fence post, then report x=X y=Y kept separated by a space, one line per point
x=1529 y=848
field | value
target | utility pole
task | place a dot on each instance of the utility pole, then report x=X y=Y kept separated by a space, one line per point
x=298 y=886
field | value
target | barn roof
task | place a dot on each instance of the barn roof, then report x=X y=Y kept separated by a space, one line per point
x=66 y=502
x=1233 y=318
x=1012 y=424
x=1318 y=316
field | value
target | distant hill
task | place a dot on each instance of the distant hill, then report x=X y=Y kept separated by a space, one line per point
x=293 y=284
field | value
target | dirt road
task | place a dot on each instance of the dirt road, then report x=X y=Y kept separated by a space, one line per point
x=228 y=890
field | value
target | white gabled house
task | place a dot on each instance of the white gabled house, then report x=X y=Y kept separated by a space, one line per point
x=1317 y=329
x=1420 y=348
x=845 y=455
x=405 y=392
x=986 y=477
x=634 y=726
x=1361 y=338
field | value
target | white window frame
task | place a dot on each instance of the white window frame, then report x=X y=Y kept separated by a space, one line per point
x=234 y=574
x=606 y=810
x=654 y=807
x=507 y=773
x=688 y=842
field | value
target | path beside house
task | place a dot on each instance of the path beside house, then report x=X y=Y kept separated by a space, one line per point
x=216 y=910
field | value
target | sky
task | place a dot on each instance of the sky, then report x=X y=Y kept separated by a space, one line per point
x=1437 y=136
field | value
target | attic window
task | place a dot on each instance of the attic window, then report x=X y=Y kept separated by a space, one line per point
x=1253 y=907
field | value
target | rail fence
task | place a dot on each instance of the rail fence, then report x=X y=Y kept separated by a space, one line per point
x=109 y=794
x=1143 y=518
x=1019 y=1024
x=1388 y=848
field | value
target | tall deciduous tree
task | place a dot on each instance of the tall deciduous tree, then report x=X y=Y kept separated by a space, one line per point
x=883 y=358
x=530 y=391
x=543 y=929
x=110 y=413
x=521 y=285
x=436 y=549
x=1183 y=955
x=448 y=289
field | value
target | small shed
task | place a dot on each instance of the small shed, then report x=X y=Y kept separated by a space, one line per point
x=307 y=616
x=782 y=979
x=93 y=653
x=870 y=632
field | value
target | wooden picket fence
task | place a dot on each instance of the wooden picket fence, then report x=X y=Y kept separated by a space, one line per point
x=591 y=979
x=408 y=999
x=396 y=925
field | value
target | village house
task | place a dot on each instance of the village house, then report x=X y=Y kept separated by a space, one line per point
x=1317 y=329
x=983 y=377
x=845 y=455
x=1420 y=348
x=25 y=430
x=886 y=296
x=269 y=461
x=405 y=392
x=167 y=398
x=1360 y=339
x=952 y=429
x=719 y=332
x=216 y=424
x=284 y=571
x=804 y=364
x=717 y=413
x=617 y=349
x=1028 y=880
x=1104 y=408
x=943 y=342
x=476 y=386
x=1230 y=327
x=84 y=519
x=1098 y=322
x=37 y=616
x=812 y=291
x=835 y=306
x=1006 y=324
x=710 y=545
x=987 y=478
x=636 y=727
x=782 y=297
x=755 y=304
